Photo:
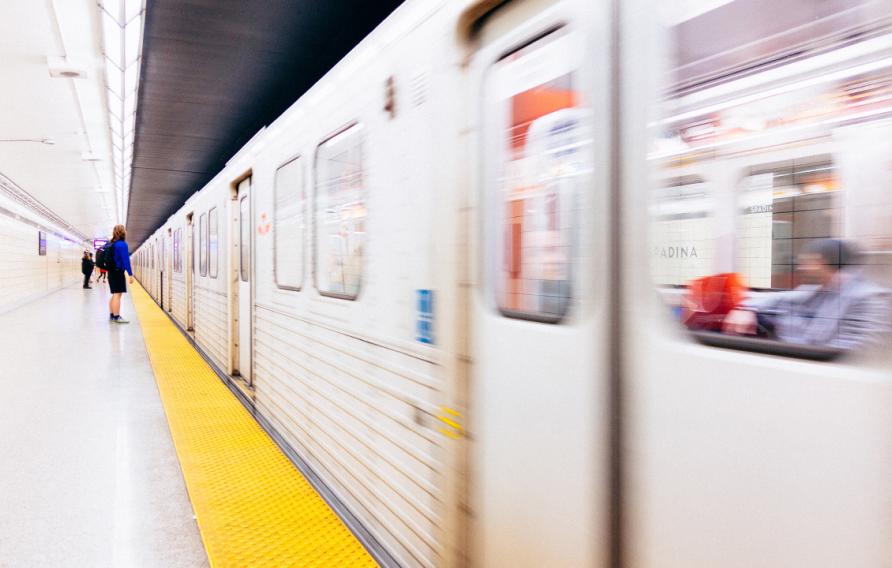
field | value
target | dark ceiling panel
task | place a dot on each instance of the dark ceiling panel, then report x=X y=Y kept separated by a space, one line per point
x=214 y=72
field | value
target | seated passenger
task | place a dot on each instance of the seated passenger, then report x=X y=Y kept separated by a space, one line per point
x=835 y=307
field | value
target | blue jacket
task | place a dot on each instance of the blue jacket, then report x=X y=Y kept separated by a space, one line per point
x=122 y=257
x=851 y=314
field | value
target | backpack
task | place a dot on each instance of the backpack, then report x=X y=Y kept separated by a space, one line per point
x=105 y=257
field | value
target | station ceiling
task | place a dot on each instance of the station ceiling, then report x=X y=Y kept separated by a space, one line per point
x=215 y=72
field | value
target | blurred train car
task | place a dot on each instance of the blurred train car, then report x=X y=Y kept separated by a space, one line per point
x=452 y=278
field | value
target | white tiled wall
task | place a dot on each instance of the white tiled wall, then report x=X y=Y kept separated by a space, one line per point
x=682 y=250
x=25 y=275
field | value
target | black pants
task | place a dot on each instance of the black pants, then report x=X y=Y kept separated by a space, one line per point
x=87 y=278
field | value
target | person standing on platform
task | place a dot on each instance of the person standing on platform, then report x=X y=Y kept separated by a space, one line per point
x=120 y=263
x=87 y=269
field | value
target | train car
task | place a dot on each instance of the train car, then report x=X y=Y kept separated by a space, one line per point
x=764 y=142
x=456 y=277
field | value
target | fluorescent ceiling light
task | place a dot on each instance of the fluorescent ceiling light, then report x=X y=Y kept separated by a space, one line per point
x=62 y=67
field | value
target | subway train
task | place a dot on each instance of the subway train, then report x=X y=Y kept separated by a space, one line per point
x=454 y=279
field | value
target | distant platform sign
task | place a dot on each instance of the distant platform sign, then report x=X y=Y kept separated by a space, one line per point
x=99 y=243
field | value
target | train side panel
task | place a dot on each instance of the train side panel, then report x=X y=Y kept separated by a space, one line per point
x=355 y=384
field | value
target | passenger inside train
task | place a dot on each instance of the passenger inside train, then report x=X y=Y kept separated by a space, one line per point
x=835 y=306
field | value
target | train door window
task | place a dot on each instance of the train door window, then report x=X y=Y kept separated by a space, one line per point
x=176 y=250
x=340 y=214
x=202 y=244
x=785 y=266
x=213 y=242
x=244 y=245
x=538 y=141
x=193 y=231
x=180 y=249
x=289 y=229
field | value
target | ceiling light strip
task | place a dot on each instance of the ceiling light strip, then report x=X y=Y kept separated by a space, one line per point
x=122 y=29
x=12 y=190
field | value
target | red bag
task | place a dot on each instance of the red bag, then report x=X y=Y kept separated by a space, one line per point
x=709 y=299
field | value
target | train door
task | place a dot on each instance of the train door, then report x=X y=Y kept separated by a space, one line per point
x=763 y=140
x=241 y=234
x=162 y=270
x=189 y=272
x=539 y=411
x=170 y=258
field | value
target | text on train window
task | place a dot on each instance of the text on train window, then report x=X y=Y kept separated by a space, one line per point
x=202 y=245
x=538 y=141
x=289 y=225
x=213 y=242
x=340 y=214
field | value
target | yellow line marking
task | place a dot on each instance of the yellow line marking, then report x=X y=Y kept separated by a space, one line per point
x=448 y=410
x=254 y=509
x=452 y=423
x=449 y=433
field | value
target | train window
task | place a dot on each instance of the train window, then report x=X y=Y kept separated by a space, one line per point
x=244 y=245
x=180 y=250
x=340 y=214
x=289 y=229
x=783 y=209
x=538 y=167
x=202 y=244
x=213 y=242
x=766 y=238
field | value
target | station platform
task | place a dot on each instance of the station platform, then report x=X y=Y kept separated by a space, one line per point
x=122 y=447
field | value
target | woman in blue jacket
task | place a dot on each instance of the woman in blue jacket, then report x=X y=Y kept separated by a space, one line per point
x=116 y=280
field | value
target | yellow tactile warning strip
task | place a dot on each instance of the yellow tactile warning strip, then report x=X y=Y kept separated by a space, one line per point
x=254 y=508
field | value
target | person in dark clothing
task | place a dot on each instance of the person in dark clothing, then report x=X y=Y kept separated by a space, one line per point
x=87 y=268
x=116 y=279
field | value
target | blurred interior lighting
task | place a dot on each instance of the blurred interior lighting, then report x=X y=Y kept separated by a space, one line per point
x=122 y=29
x=809 y=68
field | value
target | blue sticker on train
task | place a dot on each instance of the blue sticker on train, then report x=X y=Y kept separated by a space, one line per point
x=424 y=327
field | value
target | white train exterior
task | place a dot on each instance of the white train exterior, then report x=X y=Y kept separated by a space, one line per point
x=439 y=290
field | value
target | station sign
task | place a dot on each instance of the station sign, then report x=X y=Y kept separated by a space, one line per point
x=99 y=243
